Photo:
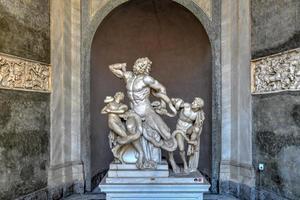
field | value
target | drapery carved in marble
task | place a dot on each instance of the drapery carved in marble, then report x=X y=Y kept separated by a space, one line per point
x=22 y=74
x=276 y=73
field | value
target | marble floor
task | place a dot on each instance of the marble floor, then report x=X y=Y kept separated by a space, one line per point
x=102 y=197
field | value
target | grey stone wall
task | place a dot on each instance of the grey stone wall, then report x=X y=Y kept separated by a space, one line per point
x=24 y=116
x=24 y=137
x=276 y=127
x=276 y=117
x=25 y=29
x=275 y=26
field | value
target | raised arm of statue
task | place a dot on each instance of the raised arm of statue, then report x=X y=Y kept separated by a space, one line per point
x=104 y=110
x=118 y=69
x=120 y=110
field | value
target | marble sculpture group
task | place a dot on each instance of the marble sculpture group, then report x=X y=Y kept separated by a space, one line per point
x=138 y=133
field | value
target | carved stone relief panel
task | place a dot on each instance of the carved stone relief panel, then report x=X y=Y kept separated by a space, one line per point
x=276 y=73
x=21 y=74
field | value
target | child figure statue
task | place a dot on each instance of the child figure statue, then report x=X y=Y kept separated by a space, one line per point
x=124 y=137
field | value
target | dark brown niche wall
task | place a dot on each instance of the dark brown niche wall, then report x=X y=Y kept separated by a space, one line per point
x=175 y=41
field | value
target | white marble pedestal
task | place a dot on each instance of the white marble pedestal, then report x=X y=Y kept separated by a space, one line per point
x=156 y=184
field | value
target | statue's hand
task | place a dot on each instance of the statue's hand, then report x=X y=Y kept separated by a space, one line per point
x=173 y=109
x=124 y=116
x=156 y=105
x=196 y=129
x=192 y=142
x=176 y=100
x=163 y=111
x=160 y=107
x=123 y=66
x=118 y=69
x=177 y=103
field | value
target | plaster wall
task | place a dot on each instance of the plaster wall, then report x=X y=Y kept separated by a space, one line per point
x=276 y=136
x=25 y=29
x=24 y=139
x=275 y=26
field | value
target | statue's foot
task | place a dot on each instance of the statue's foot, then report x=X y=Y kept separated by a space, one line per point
x=140 y=164
x=176 y=170
x=150 y=165
x=186 y=170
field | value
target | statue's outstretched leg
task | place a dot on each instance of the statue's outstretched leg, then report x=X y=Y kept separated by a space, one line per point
x=133 y=123
x=185 y=166
x=180 y=142
x=173 y=164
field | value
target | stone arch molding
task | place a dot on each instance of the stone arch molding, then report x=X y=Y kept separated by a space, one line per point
x=96 y=5
x=98 y=10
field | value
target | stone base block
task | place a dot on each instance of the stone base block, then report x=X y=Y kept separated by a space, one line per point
x=179 y=187
x=116 y=166
x=131 y=171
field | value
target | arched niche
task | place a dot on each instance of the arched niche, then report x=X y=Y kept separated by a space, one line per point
x=177 y=43
x=72 y=31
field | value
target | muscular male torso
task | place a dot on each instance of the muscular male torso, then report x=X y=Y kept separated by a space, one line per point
x=186 y=118
x=138 y=92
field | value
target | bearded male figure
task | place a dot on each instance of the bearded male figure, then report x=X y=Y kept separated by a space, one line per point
x=139 y=85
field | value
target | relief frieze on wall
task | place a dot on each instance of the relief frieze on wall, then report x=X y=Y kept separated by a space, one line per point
x=276 y=73
x=22 y=74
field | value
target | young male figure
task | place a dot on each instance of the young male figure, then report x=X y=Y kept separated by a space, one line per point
x=189 y=127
